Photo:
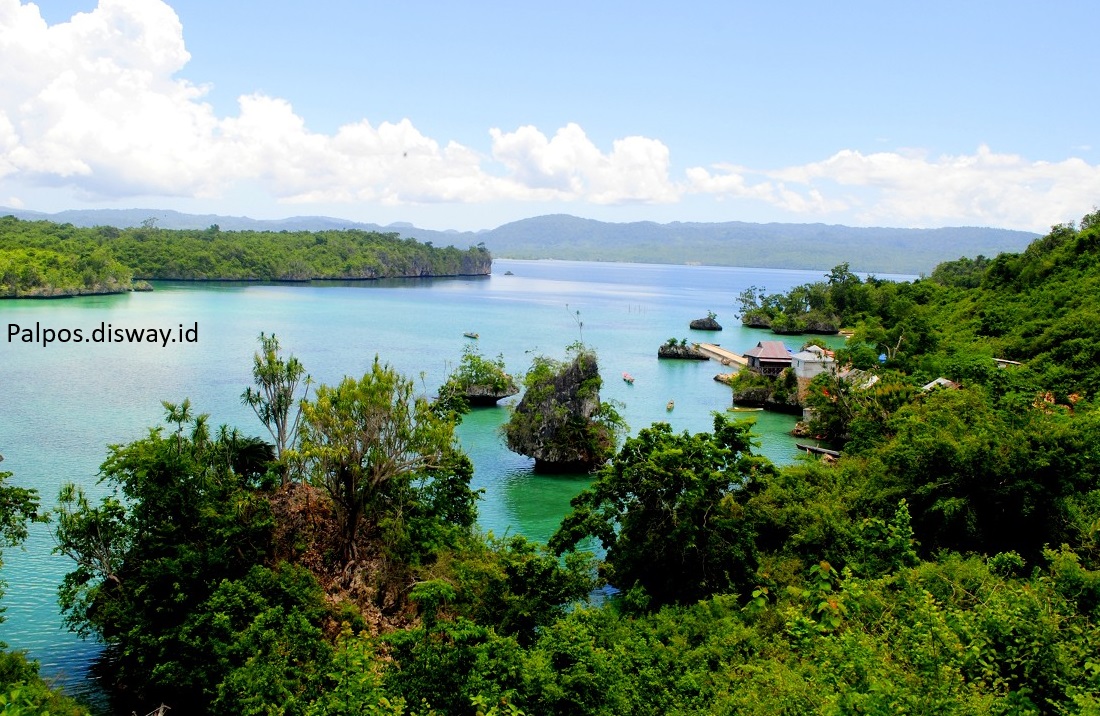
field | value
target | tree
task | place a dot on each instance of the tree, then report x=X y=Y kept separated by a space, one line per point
x=177 y=521
x=518 y=586
x=276 y=399
x=478 y=381
x=362 y=435
x=845 y=291
x=1090 y=220
x=668 y=510
x=983 y=479
x=750 y=299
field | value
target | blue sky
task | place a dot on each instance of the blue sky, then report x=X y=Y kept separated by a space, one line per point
x=469 y=115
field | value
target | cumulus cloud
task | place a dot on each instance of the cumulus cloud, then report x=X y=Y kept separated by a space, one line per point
x=570 y=166
x=733 y=181
x=911 y=189
x=92 y=101
x=95 y=103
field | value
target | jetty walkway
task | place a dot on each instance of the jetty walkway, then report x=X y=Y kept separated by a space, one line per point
x=720 y=354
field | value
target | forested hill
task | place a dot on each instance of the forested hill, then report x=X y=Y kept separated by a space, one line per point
x=737 y=243
x=734 y=243
x=41 y=258
x=1035 y=307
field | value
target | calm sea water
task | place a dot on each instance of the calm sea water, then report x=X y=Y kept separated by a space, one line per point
x=62 y=404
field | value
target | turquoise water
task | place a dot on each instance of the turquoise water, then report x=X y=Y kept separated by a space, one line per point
x=61 y=404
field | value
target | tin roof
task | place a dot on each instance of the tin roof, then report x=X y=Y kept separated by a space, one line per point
x=817 y=356
x=769 y=350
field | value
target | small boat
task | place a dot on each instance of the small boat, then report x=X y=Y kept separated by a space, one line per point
x=471 y=335
x=628 y=378
x=670 y=406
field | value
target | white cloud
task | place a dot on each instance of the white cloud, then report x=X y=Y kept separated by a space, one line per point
x=906 y=188
x=92 y=101
x=731 y=181
x=96 y=104
x=570 y=167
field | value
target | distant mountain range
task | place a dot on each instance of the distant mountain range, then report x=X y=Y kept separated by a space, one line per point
x=559 y=236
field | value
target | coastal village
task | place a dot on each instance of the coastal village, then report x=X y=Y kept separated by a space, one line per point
x=771 y=364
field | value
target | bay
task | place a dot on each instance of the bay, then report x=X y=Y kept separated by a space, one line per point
x=61 y=404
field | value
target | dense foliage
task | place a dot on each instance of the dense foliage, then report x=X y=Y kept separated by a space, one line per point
x=42 y=258
x=948 y=561
x=477 y=381
x=363 y=441
x=45 y=273
x=208 y=585
x=182 y=518
x=668 y=511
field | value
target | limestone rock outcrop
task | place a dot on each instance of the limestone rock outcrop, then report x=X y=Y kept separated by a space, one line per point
x=558 y=420
x=706 y=324
x=680 y=352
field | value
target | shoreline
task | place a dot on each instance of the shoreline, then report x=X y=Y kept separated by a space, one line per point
x=145 y=284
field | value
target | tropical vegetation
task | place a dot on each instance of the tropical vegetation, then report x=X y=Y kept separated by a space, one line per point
x=948 y=561
x=40 y=258
x=478 y=381
x=561 y=421
x=44 y=273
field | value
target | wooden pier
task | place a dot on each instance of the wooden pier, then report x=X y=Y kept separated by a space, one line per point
x=721 y=355
x=815 y=450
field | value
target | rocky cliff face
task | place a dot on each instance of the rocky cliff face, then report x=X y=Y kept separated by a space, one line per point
x=705 y=324
x=441 y=265
x=756 y=319
x=555 y=422
x=479 y=265
x=488 y=395
x=778 y=394
x=825 y=326
x=466 y=264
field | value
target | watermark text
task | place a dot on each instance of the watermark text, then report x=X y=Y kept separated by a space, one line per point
x=41 y=335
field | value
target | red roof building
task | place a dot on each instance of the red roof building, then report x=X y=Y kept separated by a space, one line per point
x=768 y=358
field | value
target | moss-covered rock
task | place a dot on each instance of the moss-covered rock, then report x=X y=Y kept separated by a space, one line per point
x=479 y=381
x=752 y=390
x=560 y=421
x=680 y=351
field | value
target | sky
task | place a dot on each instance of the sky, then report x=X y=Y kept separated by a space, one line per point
x=468 y=115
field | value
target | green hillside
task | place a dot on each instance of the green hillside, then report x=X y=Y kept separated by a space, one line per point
x=46 y=259
x=560 y=236
x=735 y=243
